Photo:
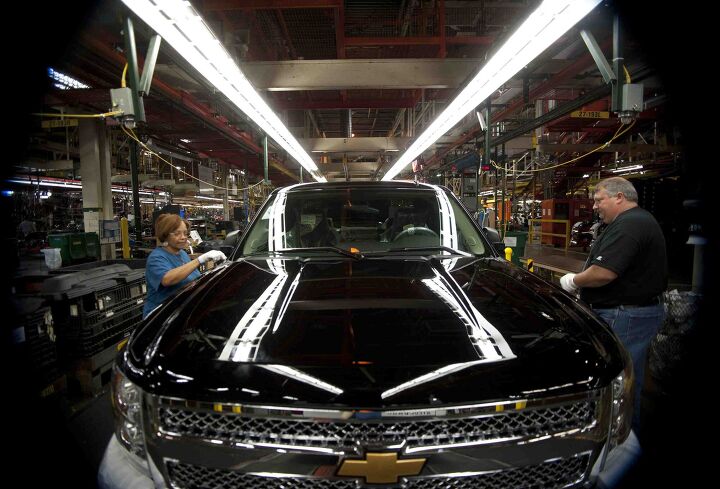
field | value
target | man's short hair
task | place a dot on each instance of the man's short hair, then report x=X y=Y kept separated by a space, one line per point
x=615 y=185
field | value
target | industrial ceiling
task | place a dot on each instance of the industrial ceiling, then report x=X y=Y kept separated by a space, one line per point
x=356 y=80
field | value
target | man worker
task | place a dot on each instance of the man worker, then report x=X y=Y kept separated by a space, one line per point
x=26 y=227
x=625 y=273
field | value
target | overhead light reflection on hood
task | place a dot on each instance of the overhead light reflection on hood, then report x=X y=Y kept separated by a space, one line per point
x=435 y=374
x=243 y=343
x=487 y=340
x=182 y=378
x=302 y=377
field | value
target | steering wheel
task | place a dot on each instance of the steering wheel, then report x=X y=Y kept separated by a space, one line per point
x=416 y=231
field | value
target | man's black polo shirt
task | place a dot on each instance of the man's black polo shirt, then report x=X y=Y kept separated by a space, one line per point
x=633 y=246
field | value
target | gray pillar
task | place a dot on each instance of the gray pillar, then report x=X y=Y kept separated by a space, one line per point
x=96 y=172
x=226 y=205
x=265 y=157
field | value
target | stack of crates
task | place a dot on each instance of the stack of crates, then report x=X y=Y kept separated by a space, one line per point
x=35 y=342
x=95 y=309
x=76 y=247
x=92 y=245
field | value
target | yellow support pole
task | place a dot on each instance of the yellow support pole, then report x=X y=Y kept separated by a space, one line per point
x=508 y=253
x=125 y=238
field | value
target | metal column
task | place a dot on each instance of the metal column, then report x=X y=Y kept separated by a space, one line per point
x=265 y=158
x=97 y=187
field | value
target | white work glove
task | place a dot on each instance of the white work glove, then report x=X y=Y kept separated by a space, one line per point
x=568 y=284
x=214 y=255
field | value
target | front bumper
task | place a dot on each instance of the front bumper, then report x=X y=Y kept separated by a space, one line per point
x=237 y=455
x=118 y=471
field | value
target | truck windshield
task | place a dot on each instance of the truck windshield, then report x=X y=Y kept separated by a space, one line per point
x=364 y=220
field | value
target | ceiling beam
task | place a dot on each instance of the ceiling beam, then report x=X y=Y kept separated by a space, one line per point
x=349 y=145
x=345 y=74
x=350 y=103
x=218 y=5
x=361 y=42
x=339 y=15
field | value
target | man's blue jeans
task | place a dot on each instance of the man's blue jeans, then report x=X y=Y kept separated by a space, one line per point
x=635 y=327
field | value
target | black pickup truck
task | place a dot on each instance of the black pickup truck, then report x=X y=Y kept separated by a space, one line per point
x=367 y=334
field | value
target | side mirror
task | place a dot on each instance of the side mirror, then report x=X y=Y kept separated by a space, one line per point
x=494 y=237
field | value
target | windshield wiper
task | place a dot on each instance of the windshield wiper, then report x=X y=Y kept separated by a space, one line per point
x=334 y=249
x=430 y=248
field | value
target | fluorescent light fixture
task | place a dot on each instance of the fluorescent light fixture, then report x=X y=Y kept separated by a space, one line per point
x=214 y=198
x=628 y=168
x=65 y=82
x=541 y=29
x=185 y=140
x=45 y=183
x=181 y=26
x=480 y=120
x=74 y=184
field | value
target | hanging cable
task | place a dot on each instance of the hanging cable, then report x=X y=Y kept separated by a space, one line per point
x=87 y=116
x=617 y=134
x=627 y=75
x=131 y=134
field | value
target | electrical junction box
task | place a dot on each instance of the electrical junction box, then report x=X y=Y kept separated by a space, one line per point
x=122 y=100
x=632 y=97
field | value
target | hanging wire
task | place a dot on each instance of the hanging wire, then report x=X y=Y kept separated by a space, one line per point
x=86 y=116
x=617 y=134
x=131 y=134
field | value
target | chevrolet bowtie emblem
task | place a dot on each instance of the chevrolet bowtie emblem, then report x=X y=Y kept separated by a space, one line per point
x=381 y=468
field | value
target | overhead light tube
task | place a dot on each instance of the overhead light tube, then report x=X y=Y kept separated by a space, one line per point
x=543 y=27
x=181 y=26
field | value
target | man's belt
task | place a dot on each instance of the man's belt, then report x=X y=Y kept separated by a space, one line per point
x=650 y=302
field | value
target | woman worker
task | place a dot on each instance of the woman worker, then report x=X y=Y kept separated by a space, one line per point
x=168 y=267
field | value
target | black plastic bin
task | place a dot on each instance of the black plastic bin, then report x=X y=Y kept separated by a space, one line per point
x=95 y=308
x=35 y=341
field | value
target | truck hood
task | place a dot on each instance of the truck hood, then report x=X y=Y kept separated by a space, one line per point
x=373 y=332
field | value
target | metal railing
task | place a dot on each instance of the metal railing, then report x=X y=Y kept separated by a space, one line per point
x=532 y=231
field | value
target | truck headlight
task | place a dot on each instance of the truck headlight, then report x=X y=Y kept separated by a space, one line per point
x=623 y=393
x=127 y=408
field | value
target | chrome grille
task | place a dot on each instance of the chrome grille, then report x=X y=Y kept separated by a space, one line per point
x=549 y=475
x=236 y=428
x=188 y=476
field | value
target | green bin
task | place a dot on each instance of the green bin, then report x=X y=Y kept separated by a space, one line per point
x=516 y=240
x=92 y=245
x=77 y=246
x=61 y=241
